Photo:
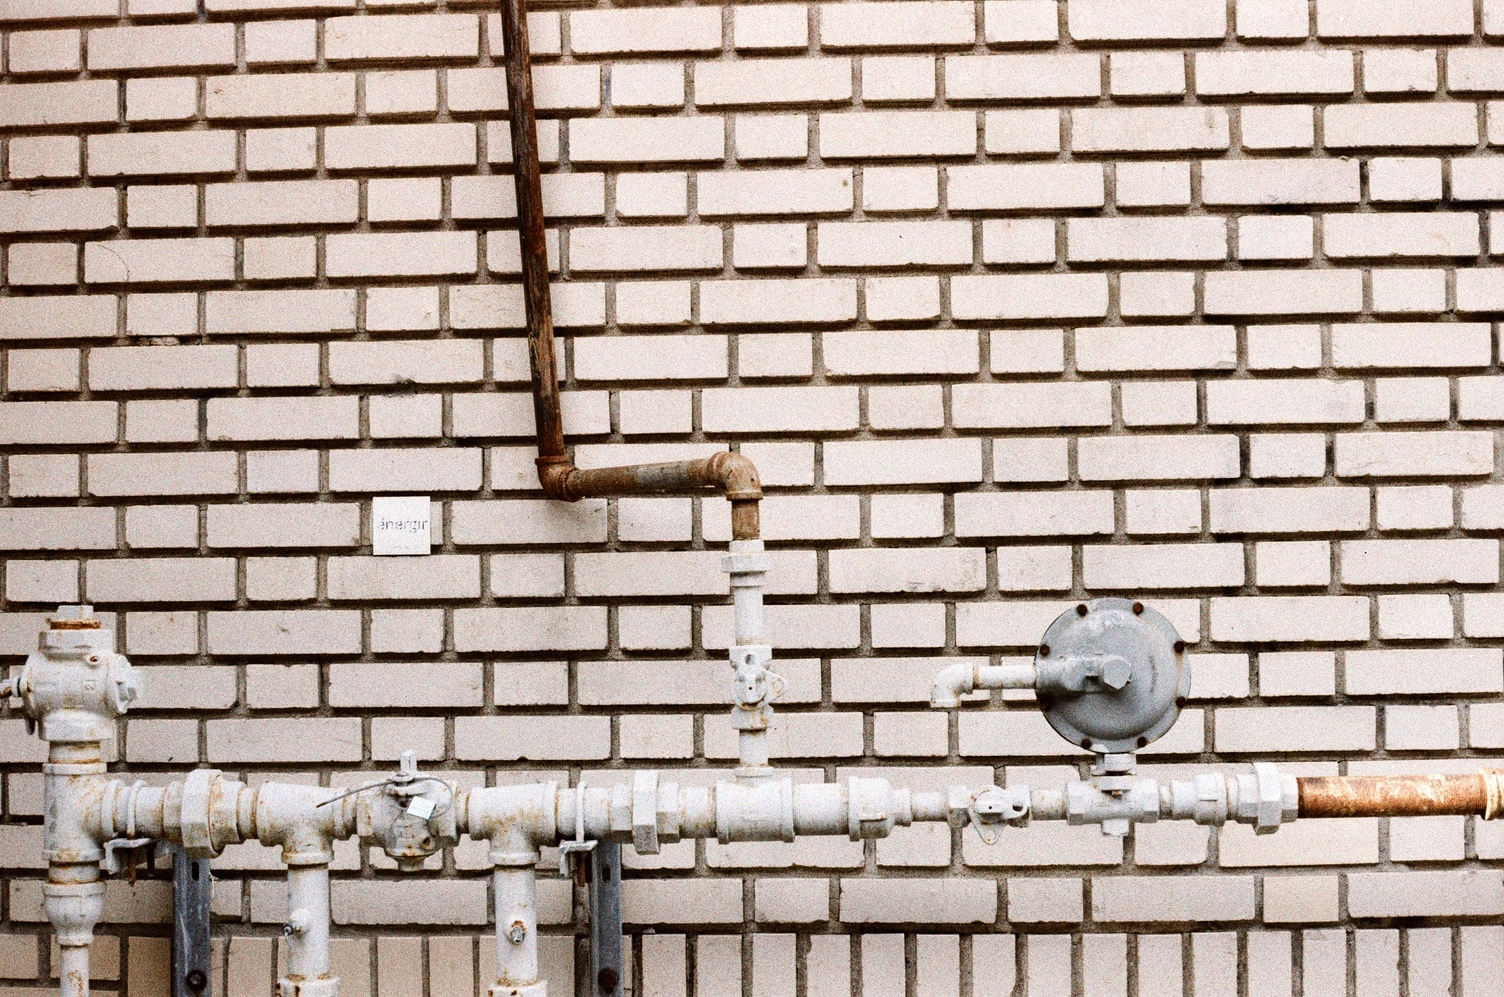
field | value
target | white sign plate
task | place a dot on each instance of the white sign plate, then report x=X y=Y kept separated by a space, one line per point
x=399 y=524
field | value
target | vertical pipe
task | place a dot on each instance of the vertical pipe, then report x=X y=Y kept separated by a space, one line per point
x=307 y=922
x=516 y=926
x=73 y=971
x=535 y=290
x=73 y=896
x=747 y=573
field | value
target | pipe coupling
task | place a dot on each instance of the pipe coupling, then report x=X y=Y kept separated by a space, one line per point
x=210 y=813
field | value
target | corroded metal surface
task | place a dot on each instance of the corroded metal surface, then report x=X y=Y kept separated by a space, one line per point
x=728 y=472
x=1399 y=795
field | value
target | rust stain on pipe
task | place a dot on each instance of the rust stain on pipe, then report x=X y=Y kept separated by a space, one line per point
x=1401 y=795
x=726 y=472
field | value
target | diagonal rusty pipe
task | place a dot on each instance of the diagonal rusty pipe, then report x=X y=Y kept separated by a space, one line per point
x=726 y=472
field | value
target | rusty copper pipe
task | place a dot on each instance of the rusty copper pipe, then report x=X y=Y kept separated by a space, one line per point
x=1401 y=795
x=726 y=472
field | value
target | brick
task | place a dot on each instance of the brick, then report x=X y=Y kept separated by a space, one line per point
x=636 y=140
x=161 y=579
x=1022 y=77
x=894 y=244
x=78 y=210
x=897 y=134
x=813 y=409
x=1462 y=344
x=1410 y=234
x=411 y=36
x=1169 y=348
x=784 y=26
x=356 y=147
x=1152 y=566
x=880 y=462
x=803 y=301
x=64 y=103
x=1284 y=292
x=1264 y=71
x=393 y=469
x=937 y=901
x=285 y=632
x=44 y=156
x=274 y=95
x=152 y=261
x=1414 y=454
x=284 y=525
x=1017 y=406
x=754 y=82
x=162 y=474
x=1308 y=728
x=1393 y=562
x=901 y=24
x=1100 y=240
x=1400 y=125
x=1147 y=129
x=158 y=368
x=57 y=529
x=1391 y=18
x=646 y=30
x=1157 y=457
x=530 y=628
x=1471 y=893
x=316 y=740
x=160 y=46
x=1020 y=186
x=1104 y=20
x=646 y=247
x=282 y=203
x=764 y=192
x=289 y=311
x=1290 y=618
x=50 y=423
x=1028 y=296
x=1181 y=898
x=161 y=153
x=1284 y=402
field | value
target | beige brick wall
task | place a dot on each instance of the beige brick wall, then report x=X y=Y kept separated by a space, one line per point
x=1012 y=301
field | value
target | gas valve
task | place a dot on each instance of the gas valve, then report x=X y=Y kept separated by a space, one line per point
x=425 y=821
x=75 y=683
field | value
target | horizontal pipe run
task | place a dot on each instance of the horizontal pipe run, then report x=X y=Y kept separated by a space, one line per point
x=1477 y=793
x=726 y=472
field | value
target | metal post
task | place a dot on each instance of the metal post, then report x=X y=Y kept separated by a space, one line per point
x=605 y=921
x=190 y=926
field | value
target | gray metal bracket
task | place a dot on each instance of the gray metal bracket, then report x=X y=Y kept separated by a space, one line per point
x=606 y=969
x=191 y=970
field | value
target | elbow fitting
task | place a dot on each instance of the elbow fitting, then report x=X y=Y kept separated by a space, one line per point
x=951 y=683
x=553 y=475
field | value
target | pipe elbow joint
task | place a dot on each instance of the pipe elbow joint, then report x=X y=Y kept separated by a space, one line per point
x=553 y=475
x=737 y=475
x=951 y=683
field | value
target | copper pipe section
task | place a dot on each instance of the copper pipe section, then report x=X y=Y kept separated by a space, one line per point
x=1403 y=795
x=726 y=472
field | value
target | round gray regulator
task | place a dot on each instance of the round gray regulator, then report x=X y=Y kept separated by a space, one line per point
x=1112 y=675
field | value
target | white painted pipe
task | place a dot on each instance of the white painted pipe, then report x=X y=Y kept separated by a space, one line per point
x=73 y=970
x=747 y=565
x=516 y=926
x=954 y=681
x=307 y=927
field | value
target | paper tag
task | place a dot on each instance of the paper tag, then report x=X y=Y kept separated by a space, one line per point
x=421 y=807
x=399 y=524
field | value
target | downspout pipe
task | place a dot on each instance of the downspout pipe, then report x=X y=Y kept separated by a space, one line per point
x=726 y=472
